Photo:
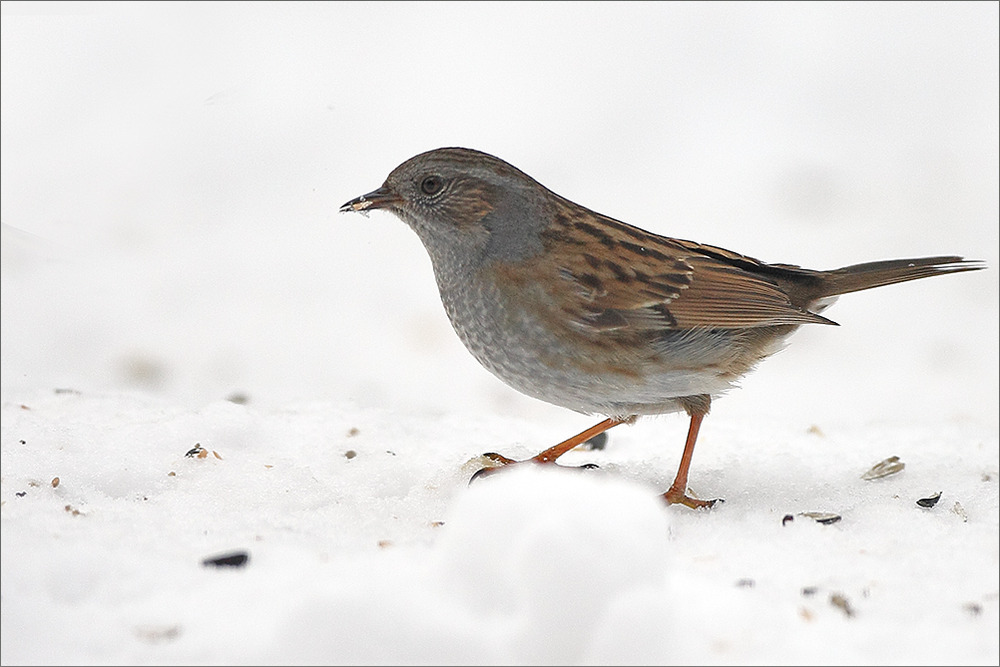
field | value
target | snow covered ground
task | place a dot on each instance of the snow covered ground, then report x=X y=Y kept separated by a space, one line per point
x=175 y=280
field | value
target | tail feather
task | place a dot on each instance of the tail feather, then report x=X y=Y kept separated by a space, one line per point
x=859 y=277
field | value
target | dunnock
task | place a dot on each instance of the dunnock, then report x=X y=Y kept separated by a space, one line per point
x=583 y=311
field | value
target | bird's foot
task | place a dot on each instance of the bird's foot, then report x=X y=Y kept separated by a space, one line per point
x=501 y=462
x=676 y=496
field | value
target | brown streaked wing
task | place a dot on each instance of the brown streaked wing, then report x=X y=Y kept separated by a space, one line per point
x=724 y=296
x=637 y=280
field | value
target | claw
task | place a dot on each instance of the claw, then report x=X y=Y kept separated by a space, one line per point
x=482 y=472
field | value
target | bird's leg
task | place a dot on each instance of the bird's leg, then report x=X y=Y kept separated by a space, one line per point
x=697 y=407
x=552 y=453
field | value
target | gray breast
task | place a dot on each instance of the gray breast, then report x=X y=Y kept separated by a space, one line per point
x=524 y=354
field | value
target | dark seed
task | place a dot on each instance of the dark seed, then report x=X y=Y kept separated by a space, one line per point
x=350 y=453
x=825 y=518
x=746 y=583
x=598 y=442
x=234 y=559
x=21 y=494
x=194 y=451
x=838 y=600
x=808 y=591
x=787 y=519
x=931 y=501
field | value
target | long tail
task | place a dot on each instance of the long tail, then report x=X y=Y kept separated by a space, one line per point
x=875 y=274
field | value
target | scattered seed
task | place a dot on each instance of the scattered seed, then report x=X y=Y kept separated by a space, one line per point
x=216 y=455
x=437 y=524
x=55 y=482
x=238 y=397
x=745 y=583
x=960 y=511
x=597 y=443
x=930 y=501
x=838 y=600
x=787 y=519
x=24 y=442
x=234 y=559
x=809 y=591
x=815 y=430
x=806 y=614
x=353 y=432
x=194 y=451
x=156 y=634
x=33 y=483
x=973 y=608
x=825 y=518
x=171 y=474
x=884 y=468
x=382 y=544
x=72 y=510
x=350 y=453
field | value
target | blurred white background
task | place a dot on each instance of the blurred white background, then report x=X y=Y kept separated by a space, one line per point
x=171 y=175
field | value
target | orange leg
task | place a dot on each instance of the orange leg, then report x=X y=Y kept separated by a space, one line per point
x=552 y=453
x=677 y=493
x=696 y=406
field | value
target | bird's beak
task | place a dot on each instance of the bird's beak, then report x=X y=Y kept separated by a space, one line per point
x=381 y=198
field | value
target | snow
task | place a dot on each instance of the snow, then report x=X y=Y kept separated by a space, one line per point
x=176 y=277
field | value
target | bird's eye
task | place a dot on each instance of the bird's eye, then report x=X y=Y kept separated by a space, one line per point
x=431 y=185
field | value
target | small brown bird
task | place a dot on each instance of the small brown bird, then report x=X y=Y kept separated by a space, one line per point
x=583 y=311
